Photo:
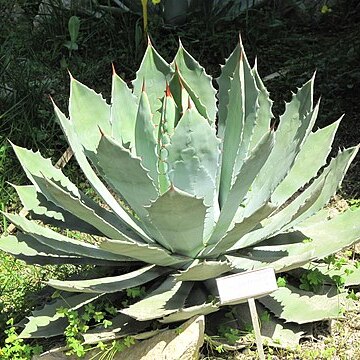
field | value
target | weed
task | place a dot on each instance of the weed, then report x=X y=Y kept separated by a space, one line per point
x=316 y=276
x=80 y=322
x=312 y=280
x=230 y=334
x=179 y=330
x=354 y=204
x=16 y=348
x=281 y=281
x=265 y=317
x=108 y=352
x=137 y=292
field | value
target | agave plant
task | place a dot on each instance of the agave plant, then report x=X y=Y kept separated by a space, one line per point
x=192 y=183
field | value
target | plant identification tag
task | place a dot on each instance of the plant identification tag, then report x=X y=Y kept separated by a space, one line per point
x=237 y=288
x=247 y=286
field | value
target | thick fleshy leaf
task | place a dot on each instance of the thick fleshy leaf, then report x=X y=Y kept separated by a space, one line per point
x=334 y=175
x=154 y=73
x=295 y=124
x=203 y=270
x=193 y=159
x=123 y=112
x=149 y=253
x=27 y=248
x=178 y=219
x=248 y=172
x=275 y=332
x=249 y=95
x=197 y=83
x=295 y=305
x=169 y=117
x=193 y=136
x=186 y=175
x=35 y=165
x=111 y=284
x=233 y=134
x=264 y=111
x=306 y=165
x=58 y=189
x=166 y=299
x=122 y=325
x=188 y=312
x=331 y=236
x=170 y=114
x=46 y=211
x=224 y=82
x=124 y=218
x=47 y=322
x=60 y=242
x=271 y=225
x=181 y=96
x=145 y=139
x=306 y=204
x=125 y=174
x=88 y=112
x=86 y=209
x=234 y=235
x=238 y=86
x=279 y=257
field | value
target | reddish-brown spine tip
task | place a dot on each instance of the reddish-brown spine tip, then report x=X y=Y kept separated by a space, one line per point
x=143 y=86
x=113 y=69
x=189 y=103
x=167 y=90
x=101 y=132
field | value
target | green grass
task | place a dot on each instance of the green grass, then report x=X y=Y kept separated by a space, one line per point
x=23 y=287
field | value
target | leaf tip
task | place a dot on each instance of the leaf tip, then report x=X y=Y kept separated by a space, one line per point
x=101 y=131
x=70 y=75
x=189 y=106
x=113 y=69
x=143 y=86
x=149 y=44
x=167 y=90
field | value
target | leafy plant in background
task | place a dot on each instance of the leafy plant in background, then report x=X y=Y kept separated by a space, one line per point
x=74 y=28
x=175 y=12
x=144 y=5
x=198 y=190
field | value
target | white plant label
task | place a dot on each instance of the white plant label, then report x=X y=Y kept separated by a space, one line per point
x=237 y=288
